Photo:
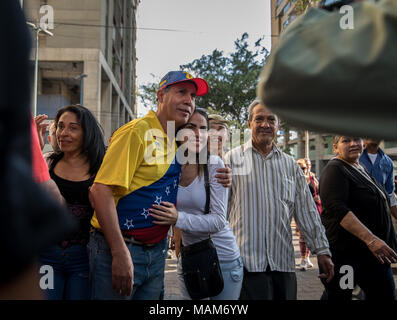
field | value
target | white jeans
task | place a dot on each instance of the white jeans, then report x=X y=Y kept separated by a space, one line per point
x=232 y=272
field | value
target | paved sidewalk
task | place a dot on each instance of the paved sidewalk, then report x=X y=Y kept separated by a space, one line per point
x=309 y=285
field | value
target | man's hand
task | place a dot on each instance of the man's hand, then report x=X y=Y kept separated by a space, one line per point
x=41 y=128
x=101 y=198
x=325 y=263
x=122 y=272
x=224 y=176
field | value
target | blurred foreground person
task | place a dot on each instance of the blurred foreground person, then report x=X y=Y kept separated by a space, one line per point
x=30 y=217
x=356 y=216
x=314 y=89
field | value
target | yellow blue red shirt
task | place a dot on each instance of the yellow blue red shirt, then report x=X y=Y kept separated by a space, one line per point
x=141 y=167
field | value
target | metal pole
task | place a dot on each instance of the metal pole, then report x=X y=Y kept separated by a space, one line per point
x=36 y=72
x=307 y=144
x=81 y=90
x=82 y=76
x=36 y=63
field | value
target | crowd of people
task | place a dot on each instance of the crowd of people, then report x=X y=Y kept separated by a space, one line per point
x=125 y=204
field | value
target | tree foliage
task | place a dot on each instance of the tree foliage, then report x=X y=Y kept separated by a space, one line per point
x=302 y=5
x=147 y=93
x=232 y=79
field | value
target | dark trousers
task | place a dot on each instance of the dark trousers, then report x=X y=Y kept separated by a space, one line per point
x=269 y=285
x=374 y=278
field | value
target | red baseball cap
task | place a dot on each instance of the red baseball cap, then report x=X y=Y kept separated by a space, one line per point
x=173 y=77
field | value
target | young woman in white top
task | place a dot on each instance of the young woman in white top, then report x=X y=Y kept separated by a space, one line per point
x=189 y=214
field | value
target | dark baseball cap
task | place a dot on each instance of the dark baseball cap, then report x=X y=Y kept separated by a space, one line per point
x=173 y=77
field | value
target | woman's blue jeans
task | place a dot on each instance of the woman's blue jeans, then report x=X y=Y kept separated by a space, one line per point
x=70 y=272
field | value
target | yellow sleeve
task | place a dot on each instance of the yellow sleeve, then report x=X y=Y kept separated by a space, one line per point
x=123 y=157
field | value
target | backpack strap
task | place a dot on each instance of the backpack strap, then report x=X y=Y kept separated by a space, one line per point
x=207 y=189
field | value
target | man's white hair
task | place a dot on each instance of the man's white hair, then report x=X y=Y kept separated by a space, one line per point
x=253 y=105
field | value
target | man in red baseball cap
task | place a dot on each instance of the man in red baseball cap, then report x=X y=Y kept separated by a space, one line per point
x=173 y=77
x=127 y=185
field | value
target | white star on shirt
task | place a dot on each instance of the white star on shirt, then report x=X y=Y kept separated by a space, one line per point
x=167 y=190
x=128 y=224
x=175 y=183
x=145 y=213
x=158 y=200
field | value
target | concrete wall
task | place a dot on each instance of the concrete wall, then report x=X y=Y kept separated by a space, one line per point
x=96 y=38
x=76 y=22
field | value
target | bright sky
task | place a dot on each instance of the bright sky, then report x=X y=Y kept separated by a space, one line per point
x=175 y=32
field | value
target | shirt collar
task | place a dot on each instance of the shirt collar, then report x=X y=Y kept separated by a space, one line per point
x=380 y=152
x=248 y=146
x=155 y=122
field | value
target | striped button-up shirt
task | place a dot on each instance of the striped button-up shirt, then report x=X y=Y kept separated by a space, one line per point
x=266 y=193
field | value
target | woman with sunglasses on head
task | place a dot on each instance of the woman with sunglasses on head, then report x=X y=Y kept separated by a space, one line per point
x=73 y=169
x=189 y=215
x=356 y=216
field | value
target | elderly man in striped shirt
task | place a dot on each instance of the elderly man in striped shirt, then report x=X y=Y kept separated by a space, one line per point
x=268 y=190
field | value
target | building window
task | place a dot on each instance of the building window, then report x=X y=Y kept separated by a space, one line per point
x=390 y=144
x=285 y=24
x=286 y=8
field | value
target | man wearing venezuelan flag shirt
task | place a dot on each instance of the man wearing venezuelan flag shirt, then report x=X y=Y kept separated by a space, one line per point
x=127 y=258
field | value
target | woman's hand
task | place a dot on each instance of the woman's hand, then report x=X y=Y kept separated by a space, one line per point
x=382 y=251
x=378 y=247
x=165 y=214
x=41 y=128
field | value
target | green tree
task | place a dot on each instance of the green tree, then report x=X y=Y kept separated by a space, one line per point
x=232 y=79
x=301 y=6
x=147 y=93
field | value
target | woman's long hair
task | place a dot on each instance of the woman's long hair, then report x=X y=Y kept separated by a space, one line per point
x=93 y=141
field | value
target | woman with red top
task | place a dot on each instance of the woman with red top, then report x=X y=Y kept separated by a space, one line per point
x=73 y=169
